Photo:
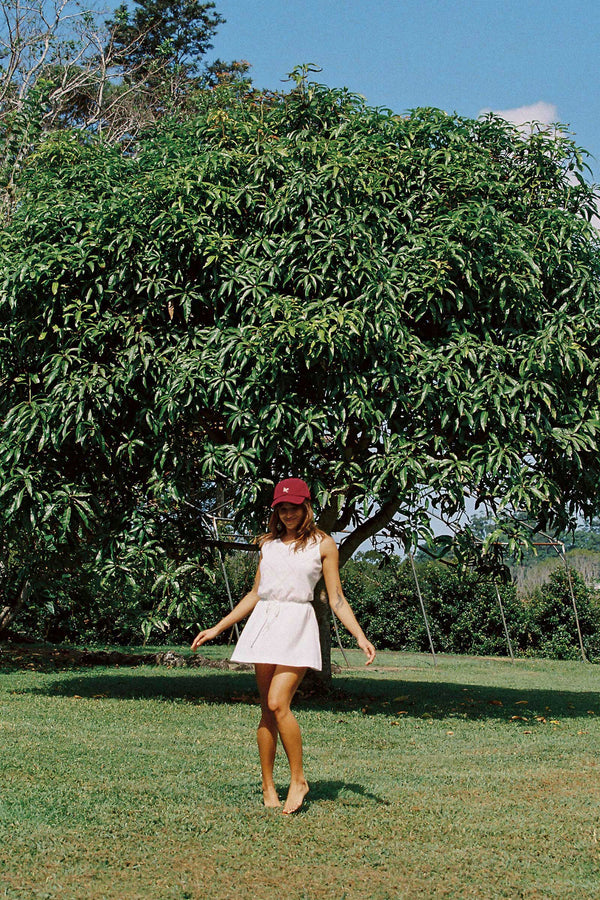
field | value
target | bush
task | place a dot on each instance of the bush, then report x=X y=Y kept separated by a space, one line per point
x=385 y=603
x=465 y=612
x=551 y=618
x=462 y=610
x=83 y=608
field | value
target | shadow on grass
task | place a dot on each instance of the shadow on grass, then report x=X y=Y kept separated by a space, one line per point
x=139 y=684
x=341 y=790
x=387 y=697
x=346 y=792
x=443 y=700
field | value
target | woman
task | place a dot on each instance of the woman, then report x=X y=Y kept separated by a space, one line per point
x=281 y=636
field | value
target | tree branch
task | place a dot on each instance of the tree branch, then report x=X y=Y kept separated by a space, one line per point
x=368 y=528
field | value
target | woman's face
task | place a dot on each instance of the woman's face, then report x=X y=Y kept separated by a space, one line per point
x=291 y=515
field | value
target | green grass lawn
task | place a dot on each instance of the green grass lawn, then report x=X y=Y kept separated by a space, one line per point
x=476 y=778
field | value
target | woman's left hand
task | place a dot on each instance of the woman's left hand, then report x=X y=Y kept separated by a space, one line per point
x=368 y=649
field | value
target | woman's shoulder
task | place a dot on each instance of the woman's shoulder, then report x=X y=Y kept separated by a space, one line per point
x=327 y=543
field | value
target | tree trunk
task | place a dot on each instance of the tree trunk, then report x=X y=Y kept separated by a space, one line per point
x=8 y=612
x=321 y=681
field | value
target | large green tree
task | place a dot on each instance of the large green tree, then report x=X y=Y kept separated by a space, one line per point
x=402 y=309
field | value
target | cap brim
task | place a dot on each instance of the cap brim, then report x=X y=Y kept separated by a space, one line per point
x=297 y=500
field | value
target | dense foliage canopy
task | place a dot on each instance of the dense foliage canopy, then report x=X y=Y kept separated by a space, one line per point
x=403 y=310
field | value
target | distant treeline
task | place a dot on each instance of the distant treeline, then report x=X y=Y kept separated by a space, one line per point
x=536 y=572
x=581 y=547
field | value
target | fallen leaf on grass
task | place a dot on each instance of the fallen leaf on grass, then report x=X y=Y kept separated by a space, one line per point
x=521 y=702
x=496 y=703
x=401 y=697
x=518 y=719
x=591 y=712
x=449 y=732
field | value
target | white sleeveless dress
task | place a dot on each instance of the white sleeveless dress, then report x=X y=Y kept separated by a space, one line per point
x=282 y=628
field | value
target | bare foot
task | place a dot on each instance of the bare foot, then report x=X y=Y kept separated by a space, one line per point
x=270 y=798
x=295 y=797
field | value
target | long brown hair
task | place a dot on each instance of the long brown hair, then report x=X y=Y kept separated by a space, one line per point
x=307 y=531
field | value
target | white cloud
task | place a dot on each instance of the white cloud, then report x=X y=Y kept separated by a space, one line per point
x=545 y=113
x=522 y=117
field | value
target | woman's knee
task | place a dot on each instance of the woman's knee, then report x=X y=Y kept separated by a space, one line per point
x=278 y=706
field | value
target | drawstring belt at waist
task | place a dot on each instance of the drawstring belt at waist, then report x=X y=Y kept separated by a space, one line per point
x=272 y=613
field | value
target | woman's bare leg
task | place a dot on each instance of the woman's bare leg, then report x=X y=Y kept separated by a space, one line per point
x=266 y=734
x=285 y=680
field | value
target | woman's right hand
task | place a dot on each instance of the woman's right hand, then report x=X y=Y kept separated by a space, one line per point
x=208 y=634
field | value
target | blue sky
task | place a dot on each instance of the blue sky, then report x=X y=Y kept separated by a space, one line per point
x=527 y=59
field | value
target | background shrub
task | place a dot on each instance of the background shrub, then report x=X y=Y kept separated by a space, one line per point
x=551 y=620
x=462 y=608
